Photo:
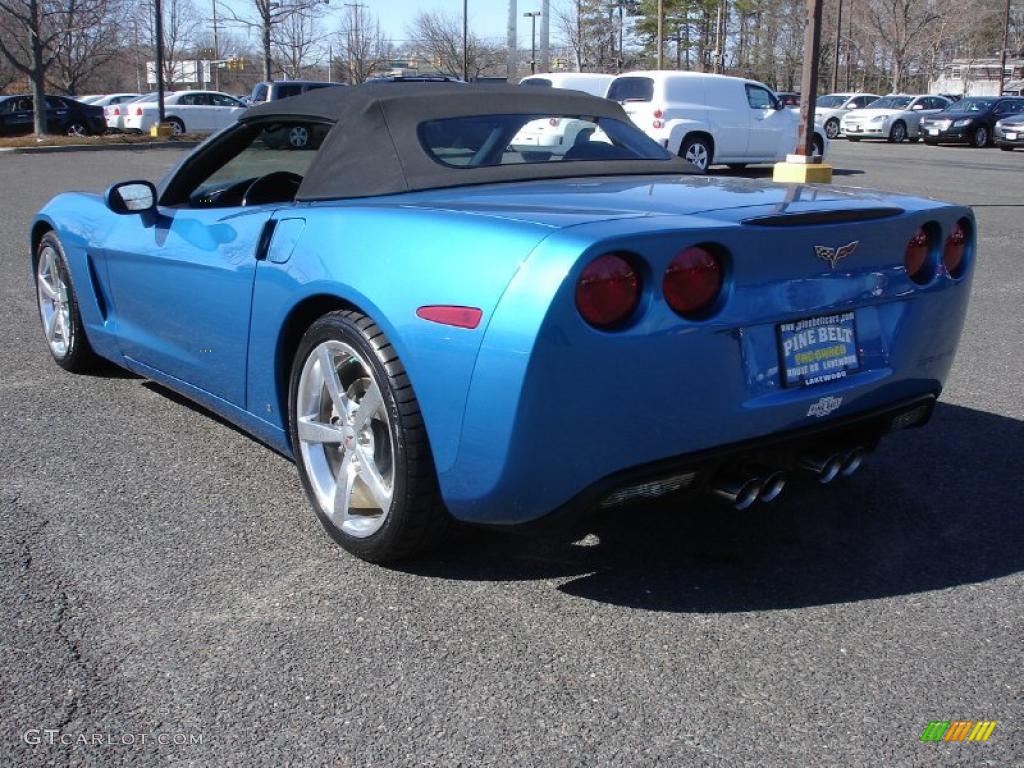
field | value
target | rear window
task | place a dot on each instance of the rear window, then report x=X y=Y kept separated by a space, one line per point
x=492 y=140
x=536 y=81
x=284 y=91
x=631 y=89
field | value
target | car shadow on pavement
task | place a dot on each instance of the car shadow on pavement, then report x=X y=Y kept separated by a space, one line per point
x=933 y=508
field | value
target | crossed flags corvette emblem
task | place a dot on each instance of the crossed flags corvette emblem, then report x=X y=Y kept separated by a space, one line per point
x=833 y=255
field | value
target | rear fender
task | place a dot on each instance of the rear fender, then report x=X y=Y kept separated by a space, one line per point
x=388 y=264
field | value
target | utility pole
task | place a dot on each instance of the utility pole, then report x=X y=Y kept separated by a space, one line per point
x=216 y=51
x=579 y=35
x=621 y=56
x=1006 y=42
x=661 y=34
x=159 y=11
x=532 y=15
x=465 y=40
x=809 y=79
x=839 y=43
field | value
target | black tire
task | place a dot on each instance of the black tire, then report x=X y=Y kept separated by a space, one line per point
x=1006 y=149
x=177 y=125
x=931 y=143
x=898 y=132
x=76 y=128
x=699 y=145
x=78 y=356
x=819 y=146
x=416 y=519
x=914 y=139
x=832 y=128
x=980 y=137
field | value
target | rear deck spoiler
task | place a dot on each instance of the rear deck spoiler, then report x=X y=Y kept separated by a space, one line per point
x=805 y=218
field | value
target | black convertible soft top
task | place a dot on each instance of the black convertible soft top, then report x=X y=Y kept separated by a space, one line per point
x=374 y=146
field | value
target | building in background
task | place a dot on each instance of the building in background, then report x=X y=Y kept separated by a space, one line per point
x=979 y=77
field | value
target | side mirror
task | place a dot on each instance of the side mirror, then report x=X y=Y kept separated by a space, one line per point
x=131 y=197
x=916 y=107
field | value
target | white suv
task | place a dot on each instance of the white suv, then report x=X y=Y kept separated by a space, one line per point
x=711 y=119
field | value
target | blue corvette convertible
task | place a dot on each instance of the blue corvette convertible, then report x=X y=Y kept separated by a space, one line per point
x=439 y=322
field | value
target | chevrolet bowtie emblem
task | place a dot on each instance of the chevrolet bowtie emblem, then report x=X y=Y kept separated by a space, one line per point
x=833 y=255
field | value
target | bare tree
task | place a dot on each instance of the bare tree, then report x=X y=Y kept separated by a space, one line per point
x=437 y=37
x=92 y=47
x=363 y=49
x=265 y=16
x=31 y=33
x=297 y=39
x=902 y=25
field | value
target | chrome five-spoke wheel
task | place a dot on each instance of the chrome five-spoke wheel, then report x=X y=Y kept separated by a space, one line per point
x=360 y=442
x=54 y=304
x=345 y=439
x=58 y=308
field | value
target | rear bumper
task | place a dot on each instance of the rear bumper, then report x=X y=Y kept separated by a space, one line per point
x=691 y=474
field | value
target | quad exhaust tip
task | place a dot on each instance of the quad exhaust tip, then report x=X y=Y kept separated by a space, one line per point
x=827 y=467
x=743 y=492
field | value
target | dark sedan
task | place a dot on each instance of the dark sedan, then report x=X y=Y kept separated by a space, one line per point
x=63 y=115
x=969 y=121
x=1010 y=132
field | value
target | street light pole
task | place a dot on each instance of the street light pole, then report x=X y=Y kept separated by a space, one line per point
x=532 y=15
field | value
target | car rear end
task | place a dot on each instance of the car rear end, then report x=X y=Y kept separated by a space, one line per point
x=95 y=118
x=715 y=353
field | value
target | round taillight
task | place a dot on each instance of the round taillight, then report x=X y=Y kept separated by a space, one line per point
x=657 y=123
x=953 y=253
x=608 y=290
x=916 y=257
x=138 y=110
x=117 y=111
x=659 y=114
x=692 y=281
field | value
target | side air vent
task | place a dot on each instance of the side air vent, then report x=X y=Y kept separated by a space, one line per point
x=809 y=218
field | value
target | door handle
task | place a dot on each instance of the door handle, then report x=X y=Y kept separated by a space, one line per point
x=265 y=237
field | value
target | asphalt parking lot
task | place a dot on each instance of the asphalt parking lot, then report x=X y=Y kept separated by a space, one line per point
x=163 y=574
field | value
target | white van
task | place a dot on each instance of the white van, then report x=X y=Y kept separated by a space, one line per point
x=711 y=119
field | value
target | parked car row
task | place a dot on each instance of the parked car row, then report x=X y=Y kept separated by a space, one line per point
x=707 y=119
x=896 y=118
